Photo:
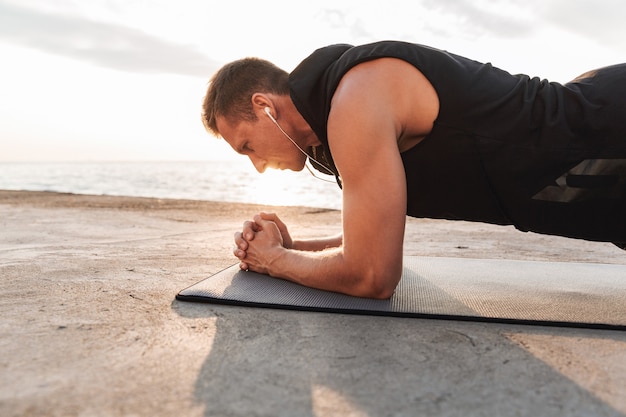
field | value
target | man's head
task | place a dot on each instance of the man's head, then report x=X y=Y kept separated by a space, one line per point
x=232 y=87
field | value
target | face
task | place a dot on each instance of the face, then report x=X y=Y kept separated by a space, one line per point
x=263 y=143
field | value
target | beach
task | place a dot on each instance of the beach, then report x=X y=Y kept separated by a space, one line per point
x=90 y=325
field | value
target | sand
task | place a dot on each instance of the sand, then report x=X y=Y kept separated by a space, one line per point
x=89 y=325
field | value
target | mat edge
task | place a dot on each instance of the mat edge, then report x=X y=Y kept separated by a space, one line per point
x=426 y=316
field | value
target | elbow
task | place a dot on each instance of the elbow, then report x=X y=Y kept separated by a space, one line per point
x=384 y=291
x=380 y=284
x=381 y=293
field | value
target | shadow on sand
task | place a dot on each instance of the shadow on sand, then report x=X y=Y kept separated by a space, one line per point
x=267 y=362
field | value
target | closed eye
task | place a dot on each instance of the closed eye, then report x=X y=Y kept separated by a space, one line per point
x=244 y=149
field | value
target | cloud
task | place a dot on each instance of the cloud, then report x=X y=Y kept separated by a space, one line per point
x=600 y=21
x=480 y=18
x=597 y=21
x=102 y=44
x=337 y=20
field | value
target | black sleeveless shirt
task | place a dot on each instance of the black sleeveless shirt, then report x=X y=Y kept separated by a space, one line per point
x=505 y=149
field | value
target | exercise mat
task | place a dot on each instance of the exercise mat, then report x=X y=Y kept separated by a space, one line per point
x=487 y=290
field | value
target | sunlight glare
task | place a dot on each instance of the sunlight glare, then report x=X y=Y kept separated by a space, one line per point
x=287 y=188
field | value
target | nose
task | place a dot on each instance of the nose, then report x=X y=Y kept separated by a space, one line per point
x=258 y=163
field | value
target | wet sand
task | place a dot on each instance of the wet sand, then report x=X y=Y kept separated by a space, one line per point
x=90 y=326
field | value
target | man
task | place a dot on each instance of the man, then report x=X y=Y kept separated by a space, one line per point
x=411 y=130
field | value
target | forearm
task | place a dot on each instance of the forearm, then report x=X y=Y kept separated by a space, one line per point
x=370 y=268
x=315 y=245
x=330 y=270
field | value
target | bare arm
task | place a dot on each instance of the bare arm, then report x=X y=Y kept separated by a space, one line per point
x=315 y=245
x=250 y=228
x=364 y=126
x=312 y=245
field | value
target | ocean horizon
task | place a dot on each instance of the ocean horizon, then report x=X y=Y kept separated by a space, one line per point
x=223 y=181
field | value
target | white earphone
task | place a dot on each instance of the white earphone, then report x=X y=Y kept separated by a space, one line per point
x=269 y=114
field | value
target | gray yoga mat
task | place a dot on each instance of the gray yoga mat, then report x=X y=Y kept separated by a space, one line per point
x=487 y=290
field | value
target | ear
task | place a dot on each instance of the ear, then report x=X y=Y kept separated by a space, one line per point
x=260 y=101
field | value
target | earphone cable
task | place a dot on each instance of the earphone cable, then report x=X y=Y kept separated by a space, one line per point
x=326 y=168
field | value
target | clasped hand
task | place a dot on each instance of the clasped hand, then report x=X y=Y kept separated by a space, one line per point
x=261 y=241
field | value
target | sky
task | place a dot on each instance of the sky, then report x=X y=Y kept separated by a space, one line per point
x=123 y=80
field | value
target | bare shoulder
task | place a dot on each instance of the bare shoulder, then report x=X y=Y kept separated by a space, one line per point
x=388 y=90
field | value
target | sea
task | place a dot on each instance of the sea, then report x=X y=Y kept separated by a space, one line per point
x=225 y=181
